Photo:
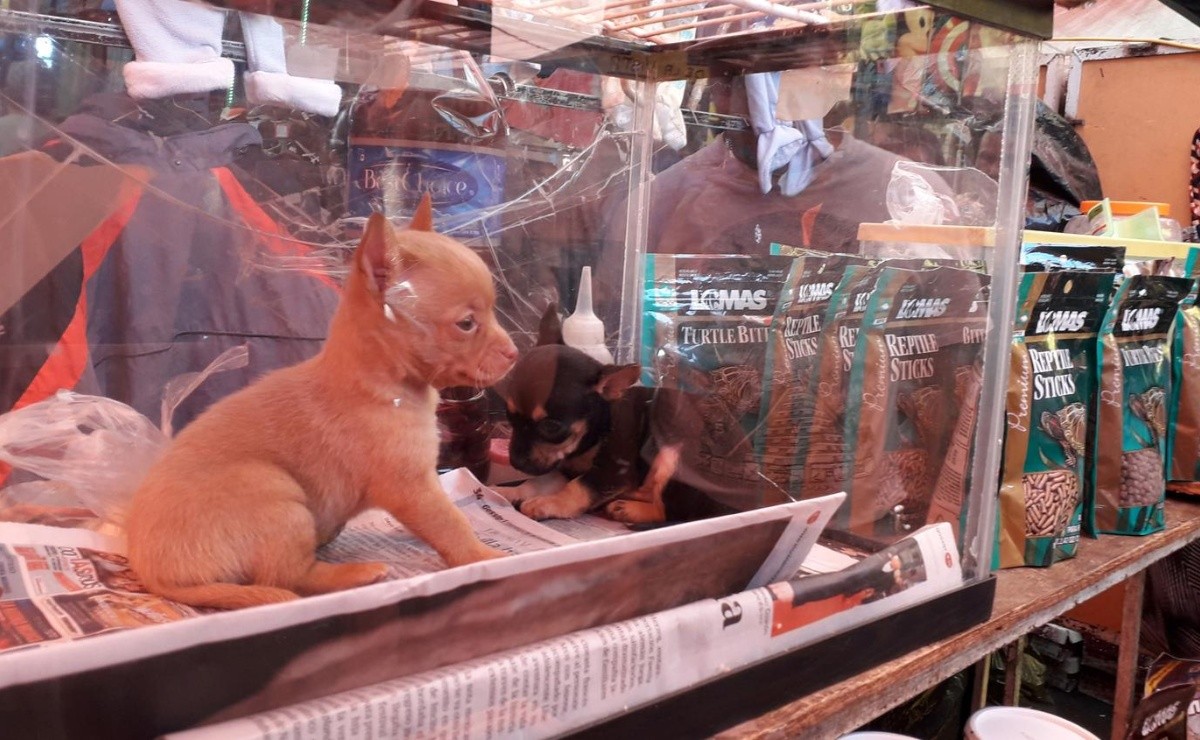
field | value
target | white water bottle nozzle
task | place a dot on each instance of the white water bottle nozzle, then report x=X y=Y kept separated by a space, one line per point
x=583 y=330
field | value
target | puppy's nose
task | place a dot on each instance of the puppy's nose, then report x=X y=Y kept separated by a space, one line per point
x=509 y=351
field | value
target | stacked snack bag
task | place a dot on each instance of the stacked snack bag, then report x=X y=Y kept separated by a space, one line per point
x=1099 y=385
x=847 y=373
x=1050 y=387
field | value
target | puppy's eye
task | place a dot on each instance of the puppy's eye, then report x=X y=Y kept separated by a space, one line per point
x=468 y=324
x=551 y=429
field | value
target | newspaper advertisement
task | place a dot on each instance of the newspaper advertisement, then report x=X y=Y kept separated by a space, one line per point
x=62 y=584
x=570 y=682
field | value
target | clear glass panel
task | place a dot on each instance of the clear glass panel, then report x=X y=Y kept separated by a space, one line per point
x=836 y=321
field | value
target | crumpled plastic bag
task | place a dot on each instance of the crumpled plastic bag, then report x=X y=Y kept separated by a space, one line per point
x=90 y=452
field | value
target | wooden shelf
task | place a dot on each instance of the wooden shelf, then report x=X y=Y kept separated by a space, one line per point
x=985 y=237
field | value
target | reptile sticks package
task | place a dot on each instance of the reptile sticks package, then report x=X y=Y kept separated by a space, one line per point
x=792 y=358
x=1134 y=360
x=1050 y=387
x=920 y=341
x=1183 y=436
x=706 y=323
x=822 y=454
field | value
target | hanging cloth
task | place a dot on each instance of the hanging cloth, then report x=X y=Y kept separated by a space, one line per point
x=796 y=146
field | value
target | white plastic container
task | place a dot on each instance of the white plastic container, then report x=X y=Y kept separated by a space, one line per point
x=871 y=735
x=1020 y=723
x=583 y=330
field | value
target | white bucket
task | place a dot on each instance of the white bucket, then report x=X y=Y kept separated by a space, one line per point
x=1019 y=723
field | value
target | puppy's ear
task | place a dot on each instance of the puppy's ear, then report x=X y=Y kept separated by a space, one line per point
x=616 y=379
x=422 y=220
x=374 y=251
x=550 y=328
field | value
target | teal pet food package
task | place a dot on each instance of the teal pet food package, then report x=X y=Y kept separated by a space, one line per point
x=1051 y=384
x=822 y=455
x=1183 y=438
x=1076 y=258
x=706 y=325
x=793 y=354
x=917 y=357
x=1130 y=407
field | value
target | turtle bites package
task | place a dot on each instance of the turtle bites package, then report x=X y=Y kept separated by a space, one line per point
x=706 y=322
x=1130 y=412
x=921 y=338
x=792 y=359
x=1050 y=386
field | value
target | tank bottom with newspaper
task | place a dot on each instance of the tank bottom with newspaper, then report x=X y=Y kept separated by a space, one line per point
x=544 y=644
x=578 y=680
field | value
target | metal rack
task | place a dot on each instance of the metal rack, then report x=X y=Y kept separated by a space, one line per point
x=634 y=38
x=113 y=36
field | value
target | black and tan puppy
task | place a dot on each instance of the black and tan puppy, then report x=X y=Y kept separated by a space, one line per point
x=619 y=444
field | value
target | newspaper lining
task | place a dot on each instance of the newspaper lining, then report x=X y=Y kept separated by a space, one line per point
x=58 y=585
x=561 y=685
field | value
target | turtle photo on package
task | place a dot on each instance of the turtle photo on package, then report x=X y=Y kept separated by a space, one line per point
x=1046 y=443
x=1128 y=478
x=920 y=344
x=706 y=324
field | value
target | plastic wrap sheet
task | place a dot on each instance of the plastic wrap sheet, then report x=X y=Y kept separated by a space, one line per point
x=146 y=237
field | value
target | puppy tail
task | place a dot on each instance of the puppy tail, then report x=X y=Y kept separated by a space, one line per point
x=226 y=595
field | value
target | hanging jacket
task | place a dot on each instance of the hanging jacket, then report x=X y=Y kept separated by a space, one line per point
x=183 y=265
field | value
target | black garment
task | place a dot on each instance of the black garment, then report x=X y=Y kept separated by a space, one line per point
x=194 y=269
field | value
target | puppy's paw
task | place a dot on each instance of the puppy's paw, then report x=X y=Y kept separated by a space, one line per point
x=474 y=554
x=553 y=507
x=635 y=512
x=324 y=578
x=368 y=573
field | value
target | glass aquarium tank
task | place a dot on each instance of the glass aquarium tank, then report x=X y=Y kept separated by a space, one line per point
x=802 y=219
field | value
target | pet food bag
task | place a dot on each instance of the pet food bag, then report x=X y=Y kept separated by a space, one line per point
x=706 y=325
x=1130 y=427
x=1171 y=704
x=821 y=455
x=920 y=342
x=1050 y=389
x=791 y=366
x=1162 y=715
x=1183 y=437
x=1076 y=258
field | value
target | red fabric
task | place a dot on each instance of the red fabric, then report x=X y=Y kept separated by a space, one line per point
x=274 y=238
x=66 y=363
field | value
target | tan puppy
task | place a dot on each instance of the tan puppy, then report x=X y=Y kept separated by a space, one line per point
x=233 y=513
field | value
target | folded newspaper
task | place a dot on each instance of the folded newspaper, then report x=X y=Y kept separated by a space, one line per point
x=561 y=685
x=149 y=666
